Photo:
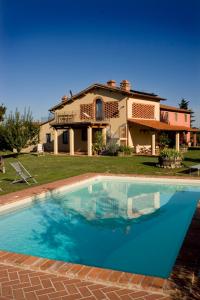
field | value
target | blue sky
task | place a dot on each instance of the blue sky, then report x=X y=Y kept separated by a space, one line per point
x=49 y=47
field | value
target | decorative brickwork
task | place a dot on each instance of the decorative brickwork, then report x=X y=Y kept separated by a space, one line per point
x=111 y=109
x=144 y=111
x=86 y=111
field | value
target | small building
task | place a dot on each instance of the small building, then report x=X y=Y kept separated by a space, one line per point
x=126 y=116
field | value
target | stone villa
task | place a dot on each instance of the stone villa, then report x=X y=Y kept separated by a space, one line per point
x=127 y=116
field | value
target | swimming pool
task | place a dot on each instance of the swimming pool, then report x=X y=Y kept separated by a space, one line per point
x=118 y=223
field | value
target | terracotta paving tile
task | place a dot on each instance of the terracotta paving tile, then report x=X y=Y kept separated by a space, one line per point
x=96 y=286
x=104 y=275
x=139 y=294
x=57 y=294
x=98 y=294
x=114 y=276
x=43 y=297
x=136 y=279
x=59 y=286
x=71 y=289
x=18 y=294
x=153 y=297
x=13 y=275
x=71 y=297
x=85 y=292
x=6 y=291
x=84 y=271
x=44 y=291
x=94 y=273
x=112 y=296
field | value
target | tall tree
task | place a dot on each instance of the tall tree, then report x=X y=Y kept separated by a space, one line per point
x=2 y=112
x=19 y=130
x=184 y=104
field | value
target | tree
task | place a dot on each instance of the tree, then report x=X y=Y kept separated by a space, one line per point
x=184 y=104
x=2 y=112
x=20 y=131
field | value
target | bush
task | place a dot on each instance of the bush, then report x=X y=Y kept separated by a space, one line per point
x=112 y=148
x=125 y=149
x=98 y=146
x=170 y=153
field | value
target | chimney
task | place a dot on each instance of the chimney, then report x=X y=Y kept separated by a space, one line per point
x=125 y=85
x=64 y=98
x=111 y=83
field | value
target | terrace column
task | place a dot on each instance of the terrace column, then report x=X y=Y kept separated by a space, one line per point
x=194 y=139
x=104 y=135
x=153 y=144
x=71 y=141
x=55 y=142
x=89 y=140
x=178 y=141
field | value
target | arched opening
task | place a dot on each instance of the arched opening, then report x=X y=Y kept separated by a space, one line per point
x=99 y=109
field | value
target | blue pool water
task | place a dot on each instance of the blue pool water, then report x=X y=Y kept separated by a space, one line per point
x=117 y=224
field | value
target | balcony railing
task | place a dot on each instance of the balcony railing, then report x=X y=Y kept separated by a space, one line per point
x=70 y=117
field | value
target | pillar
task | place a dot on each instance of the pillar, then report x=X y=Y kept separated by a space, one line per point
x=89 y=140
x=55 y=142
x=178 y=141
x=104 y=135
x=71 y=141
x=194 y=139
x=153 y=144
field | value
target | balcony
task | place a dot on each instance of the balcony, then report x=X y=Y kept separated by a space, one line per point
x=71 y=117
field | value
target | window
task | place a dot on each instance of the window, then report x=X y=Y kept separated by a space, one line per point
x=48 y=138
x=167 y=116
x=176 y=116
x=99 y=109
x=65 y=137
x=84 y=134
x=185 y=117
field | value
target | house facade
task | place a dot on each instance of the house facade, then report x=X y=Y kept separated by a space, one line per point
x=123 y=115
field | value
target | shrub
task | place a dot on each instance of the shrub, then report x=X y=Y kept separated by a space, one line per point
x=98 y=146
x=125 y=149
x=170 y=153
x=112 y=148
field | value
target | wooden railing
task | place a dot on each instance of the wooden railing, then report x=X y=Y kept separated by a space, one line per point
x=74 y=117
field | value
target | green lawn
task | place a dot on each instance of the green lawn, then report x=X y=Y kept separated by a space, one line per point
x=50 y=168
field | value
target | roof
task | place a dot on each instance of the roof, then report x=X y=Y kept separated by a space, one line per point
x=157 y=125
x=47 y=121
x=173 y=108
x=131 y=93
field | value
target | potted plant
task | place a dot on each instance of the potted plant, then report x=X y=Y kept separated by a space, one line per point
x=170 y=158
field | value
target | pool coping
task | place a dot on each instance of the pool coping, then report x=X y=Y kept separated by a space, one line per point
x=72 y=270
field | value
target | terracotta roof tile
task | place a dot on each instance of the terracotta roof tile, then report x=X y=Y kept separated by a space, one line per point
x=157 y=125
x=173 y=108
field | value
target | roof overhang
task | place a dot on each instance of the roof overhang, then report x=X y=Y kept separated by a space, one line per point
x=160 y=126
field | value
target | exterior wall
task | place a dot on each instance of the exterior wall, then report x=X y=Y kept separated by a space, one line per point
x=138 y=136
x=44 y=129
x=176 y=118
x=116 y=125
x=172 y=118
x=145 y=102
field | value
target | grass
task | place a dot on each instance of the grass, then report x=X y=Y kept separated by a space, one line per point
x=49 y=168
